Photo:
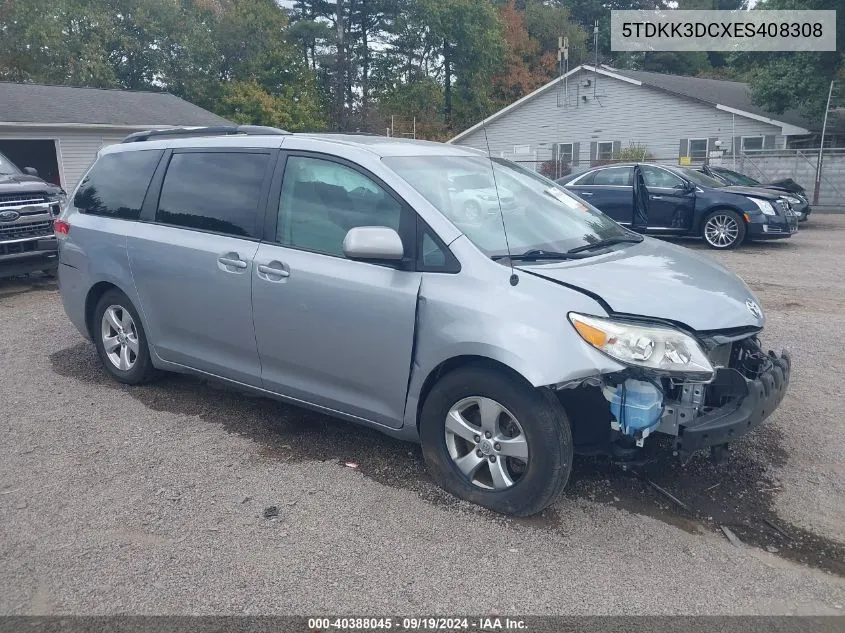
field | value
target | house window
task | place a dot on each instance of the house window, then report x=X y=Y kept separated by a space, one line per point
x=697 y=150
x=564 y=153
x=752 y=144
x=605 y=150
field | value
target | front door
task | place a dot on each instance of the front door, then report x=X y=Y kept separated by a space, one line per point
x=193 y=264
x=331 y=331
x=670 y=202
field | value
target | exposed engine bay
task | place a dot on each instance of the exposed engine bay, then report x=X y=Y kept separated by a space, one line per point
x=617 y=413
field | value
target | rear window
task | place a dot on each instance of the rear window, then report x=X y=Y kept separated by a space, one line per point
x=117 y=183
x=619 y=176
x=214 y=191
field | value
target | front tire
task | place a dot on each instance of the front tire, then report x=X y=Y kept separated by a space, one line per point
x=723 y=229
x=496 y=441
x=120 y=339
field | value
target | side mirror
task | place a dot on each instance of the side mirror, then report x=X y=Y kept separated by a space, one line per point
x=31 y=171
x=374 y=243
x=689 y=185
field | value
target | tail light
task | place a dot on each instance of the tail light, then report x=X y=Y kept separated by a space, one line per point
x=61 y=228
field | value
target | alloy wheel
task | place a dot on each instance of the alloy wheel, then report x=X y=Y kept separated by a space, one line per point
x=486 y=443
x=120 y=337
x=721 y=230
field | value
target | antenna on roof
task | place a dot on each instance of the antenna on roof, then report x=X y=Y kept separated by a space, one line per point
x=596 y=65
x=514 y=278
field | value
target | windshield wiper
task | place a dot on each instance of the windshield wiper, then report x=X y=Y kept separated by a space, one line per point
x=535 y=254
x=634 y=239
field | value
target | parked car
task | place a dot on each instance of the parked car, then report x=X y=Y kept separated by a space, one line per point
x=683 y=201
x=475 y=195
x=790 y=190
x=324 y=270
x=28 y=206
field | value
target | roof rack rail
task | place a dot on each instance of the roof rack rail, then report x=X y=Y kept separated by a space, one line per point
x=217 y=130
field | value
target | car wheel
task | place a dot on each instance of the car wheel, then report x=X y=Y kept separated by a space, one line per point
x=472 y=211
x=120 y=339
x=493 y=440
x=723 y=229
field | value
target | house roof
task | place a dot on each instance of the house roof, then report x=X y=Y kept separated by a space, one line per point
x=730 y=96
x=57 y=105
x=733 y=94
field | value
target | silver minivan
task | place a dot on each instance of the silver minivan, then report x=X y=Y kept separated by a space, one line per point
x=344 y=274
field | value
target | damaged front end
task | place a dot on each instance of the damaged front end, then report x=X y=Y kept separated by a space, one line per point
x=616 y=413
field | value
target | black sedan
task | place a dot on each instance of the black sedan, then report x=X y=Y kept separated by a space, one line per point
x=682 y=201
x=791 y=191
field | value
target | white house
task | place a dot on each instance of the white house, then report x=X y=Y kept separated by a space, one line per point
x=590 y=113
x=58 y=129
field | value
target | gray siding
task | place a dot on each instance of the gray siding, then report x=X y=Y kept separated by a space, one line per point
x=622 y=113
x=76 y=148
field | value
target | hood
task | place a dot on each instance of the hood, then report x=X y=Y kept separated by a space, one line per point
x=24 y=183
x=662 y=281
x=757 y=192
x=787 y=184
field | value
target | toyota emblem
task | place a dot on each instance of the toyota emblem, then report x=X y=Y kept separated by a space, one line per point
x=753 y=308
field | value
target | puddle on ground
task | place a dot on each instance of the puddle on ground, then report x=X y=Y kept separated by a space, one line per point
x=736 y=493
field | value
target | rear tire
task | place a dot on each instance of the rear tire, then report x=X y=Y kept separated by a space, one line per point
x=120 y=339
x=520 y=474
x=723 y=229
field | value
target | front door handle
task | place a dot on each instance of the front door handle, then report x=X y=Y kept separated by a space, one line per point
x=657 y=197
x=274 y=271
x=231 y=259
x=584 y=193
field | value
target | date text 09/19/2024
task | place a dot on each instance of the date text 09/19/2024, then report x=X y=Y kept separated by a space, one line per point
x=490 y=623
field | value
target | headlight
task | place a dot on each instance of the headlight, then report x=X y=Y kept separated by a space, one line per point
x=60 y=197
x=488 y=197
x=764 y=205
x=792 y=200
x=659 y=348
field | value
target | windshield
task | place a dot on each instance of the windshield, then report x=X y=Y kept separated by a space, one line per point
x=698 y=178
x=737 y=179
x=536 y=212
x=8 y=167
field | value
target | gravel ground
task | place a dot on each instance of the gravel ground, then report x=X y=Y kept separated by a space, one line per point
x=150 y=500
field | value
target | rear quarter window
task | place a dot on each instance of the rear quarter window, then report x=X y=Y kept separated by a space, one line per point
x=117 y=183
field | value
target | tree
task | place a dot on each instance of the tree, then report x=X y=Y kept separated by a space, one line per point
x=784 y=81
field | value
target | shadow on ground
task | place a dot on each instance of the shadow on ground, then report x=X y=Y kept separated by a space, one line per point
x=737 y=493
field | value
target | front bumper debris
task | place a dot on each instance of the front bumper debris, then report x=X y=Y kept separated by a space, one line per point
x=749 y=402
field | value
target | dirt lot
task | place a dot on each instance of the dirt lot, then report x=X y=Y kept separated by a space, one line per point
x=150 y=500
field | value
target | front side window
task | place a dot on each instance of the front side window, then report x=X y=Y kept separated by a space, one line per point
x=117 y=183
x=534 y=212
x=213 y=191
x=619 y=176
x=656 y=177
x=321 y=200
x=7 y=167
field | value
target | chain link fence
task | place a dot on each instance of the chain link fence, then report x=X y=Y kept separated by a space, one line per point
x=763 y=165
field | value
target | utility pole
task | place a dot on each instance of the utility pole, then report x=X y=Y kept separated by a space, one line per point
x=340 y=70
x=821 y=147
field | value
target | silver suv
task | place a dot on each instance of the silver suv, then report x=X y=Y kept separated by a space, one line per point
x=333 y=272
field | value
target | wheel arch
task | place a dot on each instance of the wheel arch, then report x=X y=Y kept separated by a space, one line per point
x=720 y=206
x=94 y=293
x=457 y=362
